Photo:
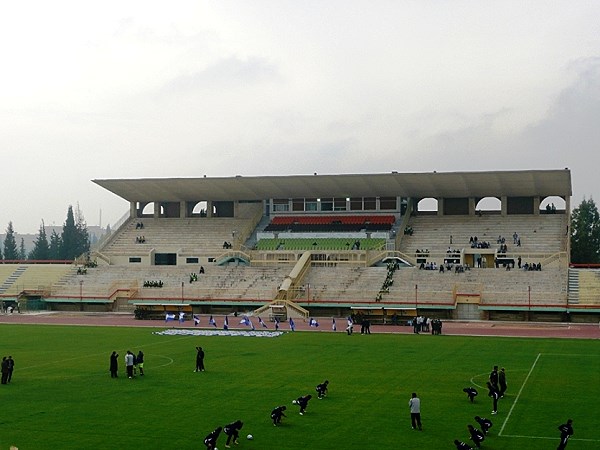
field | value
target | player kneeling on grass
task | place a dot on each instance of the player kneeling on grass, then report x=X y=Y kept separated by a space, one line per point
x=461 y=445
x=484 y=423
x=471 y=393
x=277 y=414
x=302 y=402
x=322 y=389
x=211 y=440
x=476 y=436
x=232 y=430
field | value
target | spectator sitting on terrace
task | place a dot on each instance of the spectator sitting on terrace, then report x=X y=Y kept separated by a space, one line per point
x=201 y=270
x=139 y=225
x=532 y=266
x=408 y=230
x=193 y=277
x=81 y=271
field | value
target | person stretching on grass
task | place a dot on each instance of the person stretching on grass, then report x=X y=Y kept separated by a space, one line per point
x=302 y=402
x=460 y=445
x=322 y=389
x=211 y=440
x=484 y=424
x=471 y=393
x=232 y=431
x=476 y=436
x=277 y=414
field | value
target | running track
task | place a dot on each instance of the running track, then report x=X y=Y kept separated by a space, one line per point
x=464 y=328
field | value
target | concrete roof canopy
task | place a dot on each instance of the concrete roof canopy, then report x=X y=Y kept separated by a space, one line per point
x=524 y=183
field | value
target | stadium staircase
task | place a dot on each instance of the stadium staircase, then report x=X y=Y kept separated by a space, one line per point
x=11 y=278
x=573 y=295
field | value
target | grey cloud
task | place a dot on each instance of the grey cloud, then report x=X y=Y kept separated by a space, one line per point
x=227 y=73
x=567 y=136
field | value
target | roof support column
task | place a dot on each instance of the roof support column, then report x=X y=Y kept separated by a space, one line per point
x=440 y=210
x=156 y=213
x=182 y=210
x=132 y=210
x=472 y=206
x=536 y=206
x=503 y=205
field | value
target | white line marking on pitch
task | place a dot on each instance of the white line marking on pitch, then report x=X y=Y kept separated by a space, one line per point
x=555 y=438
x=51 y=363
x=519 y=394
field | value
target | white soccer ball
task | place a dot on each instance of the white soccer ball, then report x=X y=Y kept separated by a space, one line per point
x=294 y=402
x=250 y=437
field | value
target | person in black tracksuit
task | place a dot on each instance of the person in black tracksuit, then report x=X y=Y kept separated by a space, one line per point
x=199 y=360
x=484 y=424
x=303 y=402
x=566 y=431
x=211 y=440
x=277 y=414
x=232 y=431
x=471 y=393
x=502 y=382
x=114 y=365
x=11 y=367
x=493 y=392
x=4 y=370
x=476 y=436
x=322 y=389
x=461 y=445
x=494 y=377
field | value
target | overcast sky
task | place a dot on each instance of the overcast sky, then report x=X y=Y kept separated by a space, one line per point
x=133 y=89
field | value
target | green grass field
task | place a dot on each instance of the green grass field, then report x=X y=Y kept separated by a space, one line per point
x=62 y=396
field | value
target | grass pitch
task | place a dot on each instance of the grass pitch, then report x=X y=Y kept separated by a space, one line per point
x=62 y=395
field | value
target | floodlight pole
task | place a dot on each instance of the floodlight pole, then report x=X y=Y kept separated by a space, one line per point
x=182 y=285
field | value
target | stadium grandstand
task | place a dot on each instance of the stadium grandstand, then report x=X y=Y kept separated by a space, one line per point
x=456 y=245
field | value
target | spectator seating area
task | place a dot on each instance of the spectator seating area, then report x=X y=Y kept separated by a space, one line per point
x=16 y=278
x=301 y=224
x=223 y=282
x=200 y=235
x=185 y=235
x=436 y=234
x=494 y=286
x=588 y=287
x=321 y=244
